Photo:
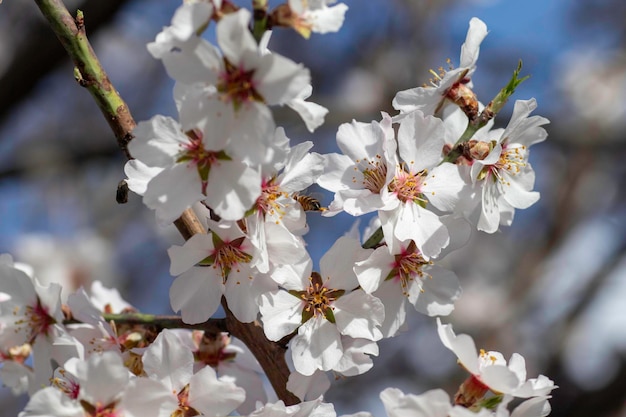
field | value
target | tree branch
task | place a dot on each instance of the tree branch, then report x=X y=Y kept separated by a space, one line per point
x=90 y=74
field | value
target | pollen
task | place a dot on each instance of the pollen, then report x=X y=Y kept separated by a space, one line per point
x=272 y=200
x=318 y=298
x=33 y=322
x=229 y=255
x=408 y=186
x=409 y=266
x=374 y=174
x=512 y=161
x=237 y=85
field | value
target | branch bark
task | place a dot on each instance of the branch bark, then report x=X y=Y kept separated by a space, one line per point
x=90 y=74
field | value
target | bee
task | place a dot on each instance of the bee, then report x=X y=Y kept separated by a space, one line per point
x=308 y=202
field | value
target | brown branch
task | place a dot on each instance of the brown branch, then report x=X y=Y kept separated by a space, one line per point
x=90 y=74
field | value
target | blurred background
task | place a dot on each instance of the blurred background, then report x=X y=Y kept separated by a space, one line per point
x=550 y=287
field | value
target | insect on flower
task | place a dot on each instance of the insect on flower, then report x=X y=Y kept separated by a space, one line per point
x=308 y=203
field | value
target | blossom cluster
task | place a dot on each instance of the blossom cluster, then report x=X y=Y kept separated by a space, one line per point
x=430 y=173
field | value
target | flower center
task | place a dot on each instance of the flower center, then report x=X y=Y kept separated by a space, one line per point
x=269 y=202
x=237 y=85
x=512 y=160
x=318 y=299
x=66 y=385
x=227 y=255
x=211 y=349
x=35 y=321
x=408 y=186
x=100 y=410
x=193 y=153
x=374 y=173
x=408 y=266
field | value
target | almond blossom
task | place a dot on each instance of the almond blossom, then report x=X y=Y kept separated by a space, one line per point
x=506 y=176
x=30 y=321
x=359 y=177
x=209 y=266
x=404 y=275
x=314 y=408
x=278 y=218
x=419 y=183
x=100 y=386
x=170 y=362
x=453 y=84
x=489 y=370
x=188 y=19
x=321 y=307
x=316 y=16
x=436 y=403
x=227 y=95
x=230 y=359
x=186 y=168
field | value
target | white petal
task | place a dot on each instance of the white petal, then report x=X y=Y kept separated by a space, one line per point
x=139 y=175
x=489 y=220
x=308 y=387
x=51 y=402
x=356 y=359
x=145 y=397
x=233 y=35
x=373 y=271
x=213 y=397
x=316 y=346
x=328 y=19
x=247 y=379
x=281 y=314
x=433 y=403
x=337 y=264
x=426 y=99
x=443 y=187
x=197 y=248
x=103 y=377
x=232 y=189
x=439 y=292
x=462 y=345
x=197 y=293
x=157 y=141
x=534 y=407
x=421 y=140
x=311 y=113
x=358 y=315
x=499 y=378
x=420 y=225
x=390 y=294
x=471 y=48
x=280 y=80
x=168 y=361
x=172 y=191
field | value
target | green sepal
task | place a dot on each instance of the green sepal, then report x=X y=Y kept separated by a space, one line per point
x=297 y=294
x=222 y=156
x=420 y=201
x=306 y=315
x=203 y=171
x=208 y=261
x=375 y=239
x=330 y=316
x=489 y=403
x=392 y=274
